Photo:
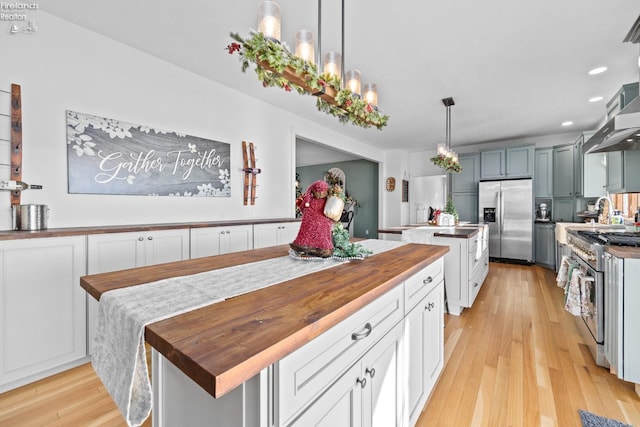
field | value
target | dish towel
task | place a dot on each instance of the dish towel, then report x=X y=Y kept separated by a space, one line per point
x=578 y=293
x=586 y=306
x=563 y=272
x=119 y=355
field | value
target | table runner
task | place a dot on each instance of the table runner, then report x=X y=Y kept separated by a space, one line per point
x=119 y=355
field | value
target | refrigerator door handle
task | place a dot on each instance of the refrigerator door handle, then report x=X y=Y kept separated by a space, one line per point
x=501 y=213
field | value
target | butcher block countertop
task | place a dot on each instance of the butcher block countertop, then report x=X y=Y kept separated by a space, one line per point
x=104 y=229
x=623 y=251
x=224 y=344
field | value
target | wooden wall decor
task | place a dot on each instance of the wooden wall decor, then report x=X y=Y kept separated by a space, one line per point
x=16 y=140
x=250 y=172
x=391 y=183
x=405 y=190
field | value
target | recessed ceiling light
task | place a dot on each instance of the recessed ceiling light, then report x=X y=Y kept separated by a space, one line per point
x=567 y=123
x=595 y=99
x=597 y=71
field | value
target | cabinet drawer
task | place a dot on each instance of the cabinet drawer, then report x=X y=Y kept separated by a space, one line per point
x=307 y=372
x=475 y=281
x=420 y=284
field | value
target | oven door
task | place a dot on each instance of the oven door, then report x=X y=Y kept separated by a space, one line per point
x=595 y=319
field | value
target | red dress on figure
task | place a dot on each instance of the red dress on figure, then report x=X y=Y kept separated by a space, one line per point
x=314 y=237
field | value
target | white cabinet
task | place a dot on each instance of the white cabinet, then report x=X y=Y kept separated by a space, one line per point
x=308 y=372
x=43 y=317
x=368 y=394
x=466 y=265
x=120 y=251
x=424 y=328
x=211 y=241
x=622 y=343
x=274 y=234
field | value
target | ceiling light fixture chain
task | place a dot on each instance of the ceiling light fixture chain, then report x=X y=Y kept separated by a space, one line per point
x=277 y=66
x=445 y=158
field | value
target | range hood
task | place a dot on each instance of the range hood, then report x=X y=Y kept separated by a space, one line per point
x=622 y=132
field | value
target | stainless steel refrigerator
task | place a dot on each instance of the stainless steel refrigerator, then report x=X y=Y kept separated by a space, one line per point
x=507 y=207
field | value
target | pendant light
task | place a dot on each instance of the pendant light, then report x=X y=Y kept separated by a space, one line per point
x=445 y=158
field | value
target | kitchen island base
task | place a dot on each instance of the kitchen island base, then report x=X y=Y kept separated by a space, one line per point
x=377 y=367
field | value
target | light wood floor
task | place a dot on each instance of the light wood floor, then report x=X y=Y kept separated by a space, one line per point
x=514 y=359
x=517 y=359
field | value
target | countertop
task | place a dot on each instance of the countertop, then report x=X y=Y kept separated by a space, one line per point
x=463 y=231
x=222 y=345
x=79 y=231
x=623 y=251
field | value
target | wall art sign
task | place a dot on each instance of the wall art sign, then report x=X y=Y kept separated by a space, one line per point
x=107 y=156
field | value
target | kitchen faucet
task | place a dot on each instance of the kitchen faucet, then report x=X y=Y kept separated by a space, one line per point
x=610 y=213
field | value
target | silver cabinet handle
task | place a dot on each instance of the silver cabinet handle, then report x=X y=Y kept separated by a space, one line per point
x=356 y=336
x=428 y=280
x=222 y=232
x=141 y=238
x=362 y=382
x=475 y=285
x=228 y=232
x=429 y=306
x=150 y=238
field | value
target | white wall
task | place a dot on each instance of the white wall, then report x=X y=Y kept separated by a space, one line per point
x=65 y=67
x=395 y=212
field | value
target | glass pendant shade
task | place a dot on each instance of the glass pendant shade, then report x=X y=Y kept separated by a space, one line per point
x=371 y=93
x=333 y=64
x=269 y=19
x=305 y=46
x=352 y=78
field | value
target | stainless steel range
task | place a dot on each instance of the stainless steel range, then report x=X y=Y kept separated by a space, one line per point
x=587 y=249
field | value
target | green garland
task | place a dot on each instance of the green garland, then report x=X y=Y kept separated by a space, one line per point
x=446 y=163
x=350 y=107
x=342 y=247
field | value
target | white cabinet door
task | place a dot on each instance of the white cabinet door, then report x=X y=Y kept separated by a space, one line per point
x=425 y=355
x=274 y=234
x=120 y=251
x=237 y=238
x=383 y=390
x=340 y=405
x=211 y=241
x=166 y=246
x=43 y=316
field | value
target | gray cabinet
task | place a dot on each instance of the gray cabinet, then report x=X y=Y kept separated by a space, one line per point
x=563 y=209
x=594 y=175
x=563 y=172
x=545 y=241
x=578 y=166
x=467 y=206
x=623 y=171
x=512 y=162
x=464 y=187
x=543 y=176
x=467 y=180
x=520 y=162
x=492 y=164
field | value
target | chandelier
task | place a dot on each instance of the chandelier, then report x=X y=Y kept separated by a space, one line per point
x=277 y=66
x=445 y=158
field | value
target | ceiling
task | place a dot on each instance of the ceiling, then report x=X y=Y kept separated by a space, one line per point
x=515 y=69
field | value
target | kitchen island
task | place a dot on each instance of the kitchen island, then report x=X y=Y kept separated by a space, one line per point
x=466 y=264
x=247 y=352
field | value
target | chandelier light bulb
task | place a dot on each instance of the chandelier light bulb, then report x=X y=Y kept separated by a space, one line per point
x=353 y=81
x=332 y=64
x=269 y=19
x=304 y=46
x=371 y=93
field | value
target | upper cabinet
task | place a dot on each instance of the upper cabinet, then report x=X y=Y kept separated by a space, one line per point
x=467 y=180
x=563 y=171
x=623 y=171
x=513 y=162
x=543 y=182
